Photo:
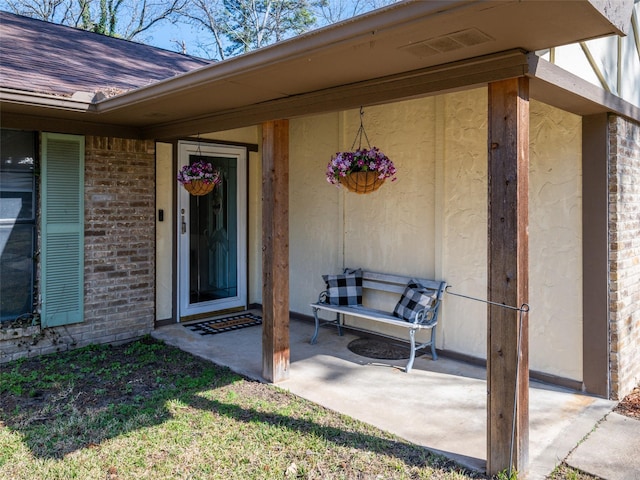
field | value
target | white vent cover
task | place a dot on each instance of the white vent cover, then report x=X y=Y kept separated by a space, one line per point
x=447 y=43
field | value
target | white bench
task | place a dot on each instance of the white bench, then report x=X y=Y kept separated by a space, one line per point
x=425 y=319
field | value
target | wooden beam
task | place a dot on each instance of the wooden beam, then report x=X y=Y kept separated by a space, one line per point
x=275 y=250
x=431 y=80
x=508 y=269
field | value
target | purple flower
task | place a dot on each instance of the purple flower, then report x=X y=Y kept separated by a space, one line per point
x=200 y=170
x=362 y=160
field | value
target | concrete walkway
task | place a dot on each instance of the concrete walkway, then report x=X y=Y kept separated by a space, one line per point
x=611 y=451
x=440 y=405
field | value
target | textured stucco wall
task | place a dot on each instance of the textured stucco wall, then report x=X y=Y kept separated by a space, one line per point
x=164 y=231
x=432 y=222
x=316 y=243
x=389 y=231
x=555 y=241
x=463 y=160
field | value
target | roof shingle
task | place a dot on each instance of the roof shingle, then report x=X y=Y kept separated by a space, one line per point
x=42 y=57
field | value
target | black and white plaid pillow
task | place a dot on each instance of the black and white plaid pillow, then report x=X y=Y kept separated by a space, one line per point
x=414 y=298
x=345 y=289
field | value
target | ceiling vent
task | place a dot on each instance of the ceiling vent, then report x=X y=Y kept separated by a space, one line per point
x=447 y=43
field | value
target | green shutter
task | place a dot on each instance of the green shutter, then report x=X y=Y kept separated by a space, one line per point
x=62 y=280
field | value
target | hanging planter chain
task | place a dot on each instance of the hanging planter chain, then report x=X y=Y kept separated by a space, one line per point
x=361 y=182
x=200 y=177
x=361 y=131
x=361 y=170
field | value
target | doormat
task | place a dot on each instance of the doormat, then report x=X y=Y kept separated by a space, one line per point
x=380 y=349
x=226 y=324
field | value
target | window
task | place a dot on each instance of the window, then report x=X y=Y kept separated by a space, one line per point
x=17 y=222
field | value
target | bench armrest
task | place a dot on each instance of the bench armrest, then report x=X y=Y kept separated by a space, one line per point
x=428 y=316
x=322 y=298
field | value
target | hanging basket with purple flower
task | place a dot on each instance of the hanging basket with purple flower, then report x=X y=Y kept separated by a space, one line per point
x=363 y=170
x=199 y=178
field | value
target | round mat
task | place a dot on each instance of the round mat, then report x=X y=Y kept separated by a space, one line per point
x=380 y=349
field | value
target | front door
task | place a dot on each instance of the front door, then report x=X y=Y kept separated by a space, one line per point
x=212 y=234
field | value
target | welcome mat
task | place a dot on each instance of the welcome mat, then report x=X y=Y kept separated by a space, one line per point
x=226 y=324
x=380 y=349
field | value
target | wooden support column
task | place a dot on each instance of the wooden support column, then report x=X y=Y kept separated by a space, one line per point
x=275 y=250
x=508 y=275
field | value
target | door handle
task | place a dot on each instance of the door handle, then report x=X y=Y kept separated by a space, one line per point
x=184 y=225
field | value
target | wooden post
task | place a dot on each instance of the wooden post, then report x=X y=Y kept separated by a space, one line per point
x=508 y=270
x=275 y=250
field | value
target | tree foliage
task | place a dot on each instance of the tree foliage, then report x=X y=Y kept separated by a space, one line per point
x=333 y=11
x=229 y=27
x=117 y=18
x=238 y=26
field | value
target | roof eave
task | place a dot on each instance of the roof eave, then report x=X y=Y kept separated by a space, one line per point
x=79 y=103
x=352 y=33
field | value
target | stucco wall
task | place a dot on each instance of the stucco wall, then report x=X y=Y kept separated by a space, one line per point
x=432 y=222
x=315 y=210
x=463 y=160
x=164 y=231
x=555 y=241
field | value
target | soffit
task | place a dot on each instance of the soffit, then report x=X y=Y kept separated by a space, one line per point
x=406 y=37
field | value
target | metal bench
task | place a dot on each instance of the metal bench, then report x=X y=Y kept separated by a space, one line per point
x=425 y=319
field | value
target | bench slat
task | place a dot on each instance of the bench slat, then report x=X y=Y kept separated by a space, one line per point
x=371 y=314
x=394 y=283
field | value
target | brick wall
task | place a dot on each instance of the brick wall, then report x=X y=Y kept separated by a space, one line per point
x=624 y=255
x=119 y=253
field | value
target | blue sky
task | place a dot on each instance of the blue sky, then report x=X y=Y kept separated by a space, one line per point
x=166 y=36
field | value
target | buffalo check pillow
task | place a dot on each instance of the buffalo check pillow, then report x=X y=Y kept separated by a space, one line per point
x=344 y=289
x=414 y=298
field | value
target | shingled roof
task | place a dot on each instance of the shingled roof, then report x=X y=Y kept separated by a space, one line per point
x=47 y=58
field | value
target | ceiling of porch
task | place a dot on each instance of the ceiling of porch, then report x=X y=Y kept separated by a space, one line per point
x=409 y=49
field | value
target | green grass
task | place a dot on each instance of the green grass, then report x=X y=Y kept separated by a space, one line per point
x=147 y=410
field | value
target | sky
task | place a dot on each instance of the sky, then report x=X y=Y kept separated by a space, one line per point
x=168 y=36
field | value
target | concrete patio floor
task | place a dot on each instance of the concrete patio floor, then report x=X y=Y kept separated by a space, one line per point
x=440 y=405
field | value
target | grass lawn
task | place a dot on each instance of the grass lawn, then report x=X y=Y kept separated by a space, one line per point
x=146 y=410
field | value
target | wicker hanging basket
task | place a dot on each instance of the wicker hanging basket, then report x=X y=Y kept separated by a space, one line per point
x=362 y=182
x=198 y=187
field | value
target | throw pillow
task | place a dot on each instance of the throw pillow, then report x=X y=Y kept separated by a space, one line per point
x=414 y=298
x=344 y=289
